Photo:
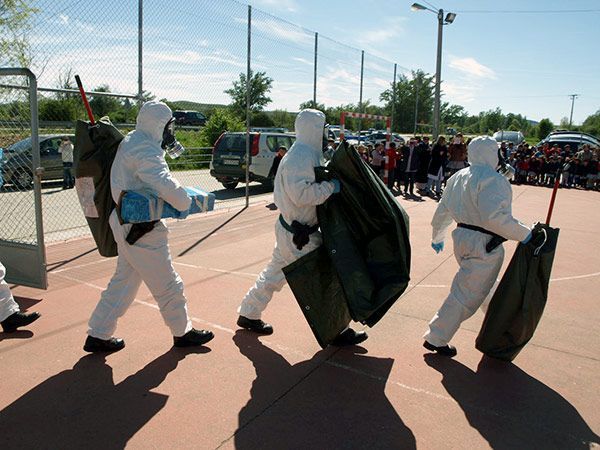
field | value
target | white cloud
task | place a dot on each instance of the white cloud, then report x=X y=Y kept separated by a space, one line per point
x=191 y=57
x=289 y=5
x=304 y=61
x=64 y=19
x=389 y=28
x=469 y=66
x=461 y=91
x=283 y=30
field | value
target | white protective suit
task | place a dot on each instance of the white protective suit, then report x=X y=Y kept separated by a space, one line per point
x=480 y=196
x=8 y=306
x=140 y=164
x=297 y=195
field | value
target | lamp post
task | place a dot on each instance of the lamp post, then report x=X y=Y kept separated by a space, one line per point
x=438 y=66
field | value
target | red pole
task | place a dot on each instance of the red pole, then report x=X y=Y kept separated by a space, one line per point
x=342 y=125
x=386 y=172
x=553 y=198
x=85 y=101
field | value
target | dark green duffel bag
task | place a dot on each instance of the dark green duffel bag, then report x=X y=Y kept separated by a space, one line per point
x=518 y=303
x=363 y=266
x=94 y=153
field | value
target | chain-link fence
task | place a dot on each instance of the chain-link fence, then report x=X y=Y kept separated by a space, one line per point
x=197 y=57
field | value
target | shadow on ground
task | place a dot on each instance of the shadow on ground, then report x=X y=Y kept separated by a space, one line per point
x=84 y=408
x=330 y=407
x=510 y=408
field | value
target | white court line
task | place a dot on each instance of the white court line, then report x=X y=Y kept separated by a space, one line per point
x=576 y=277
x=211 y=269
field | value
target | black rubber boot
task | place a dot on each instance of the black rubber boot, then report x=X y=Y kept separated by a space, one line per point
x=17 y=320
x=446 y=350
x=96 y=345
x=192 y=338
x=350 y=337
x=258 y=326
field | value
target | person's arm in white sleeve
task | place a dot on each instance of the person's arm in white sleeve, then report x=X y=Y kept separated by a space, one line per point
x=154 y=171
x=494 y=203
x=440 y=222
x=302 y=188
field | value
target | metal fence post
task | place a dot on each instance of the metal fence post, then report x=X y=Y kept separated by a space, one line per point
x=140 y=49
x=248 y=75
x=315 y=74
x=360 y=106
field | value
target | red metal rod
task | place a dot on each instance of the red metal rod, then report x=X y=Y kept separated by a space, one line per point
x=85 y=100
x=553 y=198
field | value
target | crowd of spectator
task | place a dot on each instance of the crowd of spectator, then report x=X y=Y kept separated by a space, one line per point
x=419 y=168
x=577 y=168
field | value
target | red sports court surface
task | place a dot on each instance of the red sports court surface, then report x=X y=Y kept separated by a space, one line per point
x=283 y=391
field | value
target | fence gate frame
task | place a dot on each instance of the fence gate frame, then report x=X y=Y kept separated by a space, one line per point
x=26 y=263
x=388 y=133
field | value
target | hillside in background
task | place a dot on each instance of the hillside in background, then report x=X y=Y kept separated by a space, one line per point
x=206 y=108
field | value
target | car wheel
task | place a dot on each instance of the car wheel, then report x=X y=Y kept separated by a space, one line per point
x=23 y=179
x=230 y=184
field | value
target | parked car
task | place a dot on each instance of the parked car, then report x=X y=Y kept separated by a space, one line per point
x=516 y=137
x=17 y=163
x=228 y=163
x=189 y=118
x=573 y=138
x=380 y=137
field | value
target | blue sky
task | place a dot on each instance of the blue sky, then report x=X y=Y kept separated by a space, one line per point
x=521 y=62
x=525 y=63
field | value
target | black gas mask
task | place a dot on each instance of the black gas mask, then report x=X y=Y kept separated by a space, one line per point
x=325 y=142
x=503 y=167
x=169 y=143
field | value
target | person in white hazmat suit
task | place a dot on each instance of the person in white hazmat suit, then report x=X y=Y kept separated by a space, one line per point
x=478 y=199
x=140 y=164
x=11 y=316
x=296 y=194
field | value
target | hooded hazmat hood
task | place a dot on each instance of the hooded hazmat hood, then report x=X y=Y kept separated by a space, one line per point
x=152 y=118
x=309 y=128
x=483 y=151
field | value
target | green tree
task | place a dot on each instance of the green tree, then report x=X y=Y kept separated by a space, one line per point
x=416 y=91
x=260 y=86
x=57 y=110
x=284 y=119
x=220 y=121
x=16 y=18
x=310 y=104
x=102 y=105
x=453 y=115
x=592 y=124
x=544 y=127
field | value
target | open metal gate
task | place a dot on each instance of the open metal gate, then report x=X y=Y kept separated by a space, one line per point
x=22 y=249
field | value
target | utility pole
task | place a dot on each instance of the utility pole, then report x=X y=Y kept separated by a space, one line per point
x=416 y=104
x=438 y=77
x=573 y=97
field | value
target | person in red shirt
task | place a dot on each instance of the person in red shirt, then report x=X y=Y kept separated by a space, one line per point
x=392 y=156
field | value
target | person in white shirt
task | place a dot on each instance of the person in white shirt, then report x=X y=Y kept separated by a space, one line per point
x=66 y=152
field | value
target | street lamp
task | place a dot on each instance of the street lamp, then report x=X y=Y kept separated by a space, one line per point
x=438 y=67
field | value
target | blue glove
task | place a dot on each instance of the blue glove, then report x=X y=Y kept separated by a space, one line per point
x=437 y=247
x=528 y=238
x=337 y=187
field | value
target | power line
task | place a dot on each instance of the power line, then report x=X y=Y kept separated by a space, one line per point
x=527 y=11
